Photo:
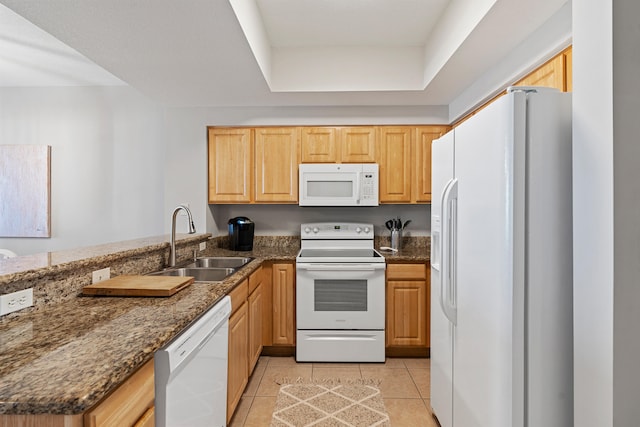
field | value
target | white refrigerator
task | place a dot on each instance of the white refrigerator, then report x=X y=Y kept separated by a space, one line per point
x=501 y=265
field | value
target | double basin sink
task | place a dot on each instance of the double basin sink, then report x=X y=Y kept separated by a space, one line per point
x=207 y=269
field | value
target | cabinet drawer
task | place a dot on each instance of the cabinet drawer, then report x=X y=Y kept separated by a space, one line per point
x=407 y=271
x=254 y=280
x=239 y=295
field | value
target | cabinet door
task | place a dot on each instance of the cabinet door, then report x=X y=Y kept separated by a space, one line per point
x=238 y=365
x=319 y=145
x=256 y=302
x=395 y=164
x=568 y=69
x=421 y=179
x=128 y=404
x=283 y=288
x=358 y=144
x=230 y=165
x=407 y=302
x=550 y=74
x=277 y=155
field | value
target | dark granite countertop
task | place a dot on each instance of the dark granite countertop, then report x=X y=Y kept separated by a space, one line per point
x=65 y=357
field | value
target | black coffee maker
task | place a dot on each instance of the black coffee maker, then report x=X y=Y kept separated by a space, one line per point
x=240 y=234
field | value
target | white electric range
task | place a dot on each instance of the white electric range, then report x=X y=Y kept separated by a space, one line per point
x=340 y=294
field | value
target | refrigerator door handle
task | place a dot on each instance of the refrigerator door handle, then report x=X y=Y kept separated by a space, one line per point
x=448 y=250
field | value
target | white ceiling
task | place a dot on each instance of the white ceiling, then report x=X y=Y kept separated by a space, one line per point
x=265 y=52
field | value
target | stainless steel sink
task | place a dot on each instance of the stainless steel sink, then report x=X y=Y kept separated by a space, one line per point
x=221 y=262
x=200 y=274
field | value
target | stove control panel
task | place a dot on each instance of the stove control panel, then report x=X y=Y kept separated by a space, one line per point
x=336 y=230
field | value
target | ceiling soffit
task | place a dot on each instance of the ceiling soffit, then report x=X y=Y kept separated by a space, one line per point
x=359 y=45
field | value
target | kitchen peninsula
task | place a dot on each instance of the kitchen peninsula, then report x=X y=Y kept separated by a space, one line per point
x=62 y=357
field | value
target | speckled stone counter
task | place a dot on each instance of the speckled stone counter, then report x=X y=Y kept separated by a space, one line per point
x=67 y=353
x=413 y=249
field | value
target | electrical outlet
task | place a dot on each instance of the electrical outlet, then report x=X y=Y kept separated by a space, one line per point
x=100 y=275
x=16 y=301
x=203 y=246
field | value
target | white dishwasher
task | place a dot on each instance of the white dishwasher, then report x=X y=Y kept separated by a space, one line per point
x=191 y=373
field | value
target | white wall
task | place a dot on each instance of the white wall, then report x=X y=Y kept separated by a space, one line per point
x=607 y=211
x=107 y=161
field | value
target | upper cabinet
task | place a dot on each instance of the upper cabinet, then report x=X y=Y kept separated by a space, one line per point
x=405 y=162
x=395 y=164
x=331 y=144
x=276 y=164
x=358 y=144
x=230 y=165
x=556 y=73
x=253 y=165
x=319 y=145
x=551 y=74
x=260 y=165
x=421 y=178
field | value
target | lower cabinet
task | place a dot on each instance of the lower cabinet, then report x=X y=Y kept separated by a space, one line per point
x=131 y=404
x=284 y=311
x=245 y=336
x=238 y=371
x=408 y=300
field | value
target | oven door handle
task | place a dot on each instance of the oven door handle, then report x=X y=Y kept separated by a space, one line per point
x=340 y=267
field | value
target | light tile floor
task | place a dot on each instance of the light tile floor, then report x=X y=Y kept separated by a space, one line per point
x=405 y=388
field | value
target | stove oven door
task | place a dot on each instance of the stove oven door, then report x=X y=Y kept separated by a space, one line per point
x=337 y=296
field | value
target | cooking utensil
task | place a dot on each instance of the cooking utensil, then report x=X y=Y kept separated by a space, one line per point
x=407 y=222
x=389 y=224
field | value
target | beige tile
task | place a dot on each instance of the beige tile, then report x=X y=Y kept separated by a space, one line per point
x=334 y=365
x=242 y=410
x=282 y=361
x=396 y=383
x=422 y=378
x=408 y=412
x=341 y=373
x=263 y=361
x=260 y=413
x=268 y=386
x=390 y=362
x=417 y=363
x=254 y=379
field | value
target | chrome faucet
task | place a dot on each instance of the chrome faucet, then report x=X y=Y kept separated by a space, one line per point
x=192 y=229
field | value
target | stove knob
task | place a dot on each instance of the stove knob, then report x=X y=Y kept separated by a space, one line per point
x=358 y=230
x=307 y=230
x=315 y=230
x=367 y=230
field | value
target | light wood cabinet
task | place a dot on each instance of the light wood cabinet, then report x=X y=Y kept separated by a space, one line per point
x=421 y=170
x=408 y=300
x=256 y=310
x=550 y=74
x=358 y=144
x=238 y=364
x=395 y=163
x=283 y=294
x=131 y=404
x=277 y=155
x=230 y=165
x=568 y=69
x=331 y=144
x=319 y=145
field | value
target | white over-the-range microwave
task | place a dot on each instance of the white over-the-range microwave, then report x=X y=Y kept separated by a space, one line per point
x=344 y=184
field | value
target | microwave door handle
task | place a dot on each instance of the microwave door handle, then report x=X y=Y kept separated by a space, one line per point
x=358 y=187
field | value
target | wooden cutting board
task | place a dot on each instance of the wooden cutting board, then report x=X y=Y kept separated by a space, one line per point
x=139 y=286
